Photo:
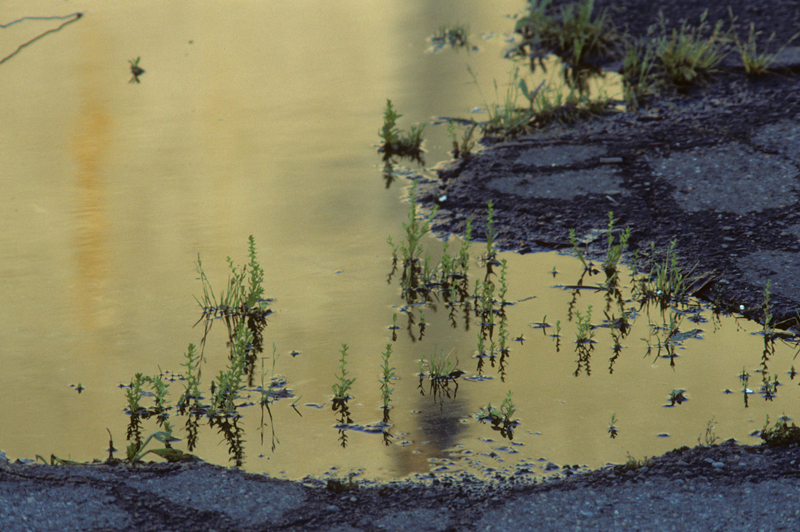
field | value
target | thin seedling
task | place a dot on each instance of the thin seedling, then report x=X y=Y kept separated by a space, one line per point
x=755 y=64
x=341 y=390
x=387 y=375
x=585 y=331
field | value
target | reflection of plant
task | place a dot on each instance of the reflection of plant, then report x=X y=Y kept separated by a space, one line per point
x=677 y=397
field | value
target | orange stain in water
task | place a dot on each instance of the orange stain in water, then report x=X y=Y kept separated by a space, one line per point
x=90 y=147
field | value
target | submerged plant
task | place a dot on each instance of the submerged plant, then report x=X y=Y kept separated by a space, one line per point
x=136 y=70
x=454 y=35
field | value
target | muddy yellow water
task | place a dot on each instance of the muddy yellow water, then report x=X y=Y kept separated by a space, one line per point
x=261 y=118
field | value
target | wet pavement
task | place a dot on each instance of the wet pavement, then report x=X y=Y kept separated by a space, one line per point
x=717 y=170
x=724 y=487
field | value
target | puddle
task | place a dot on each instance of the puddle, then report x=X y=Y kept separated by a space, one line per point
x=115 y=188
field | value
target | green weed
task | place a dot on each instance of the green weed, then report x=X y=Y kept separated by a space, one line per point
x=639 y=68
x=612 y=426
x=396 y=141
x=573 y=240
x=463 y=254
x=574 y=34
x=666 y=280
x=500 y=418
x=614 y=251
x=241 y=303
x=229 y=384
x=462 y=149
x=341 y=390
x=415 y=230
x=136 y=451
x=781 y=434
x=585 y=331
x=191 y=391
x=710 y=437
x=686 y=55
x=136 y=70
x=440 y=367
x=491 y=232
x=386 y=377
x=754 y=63
x=632 y=464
